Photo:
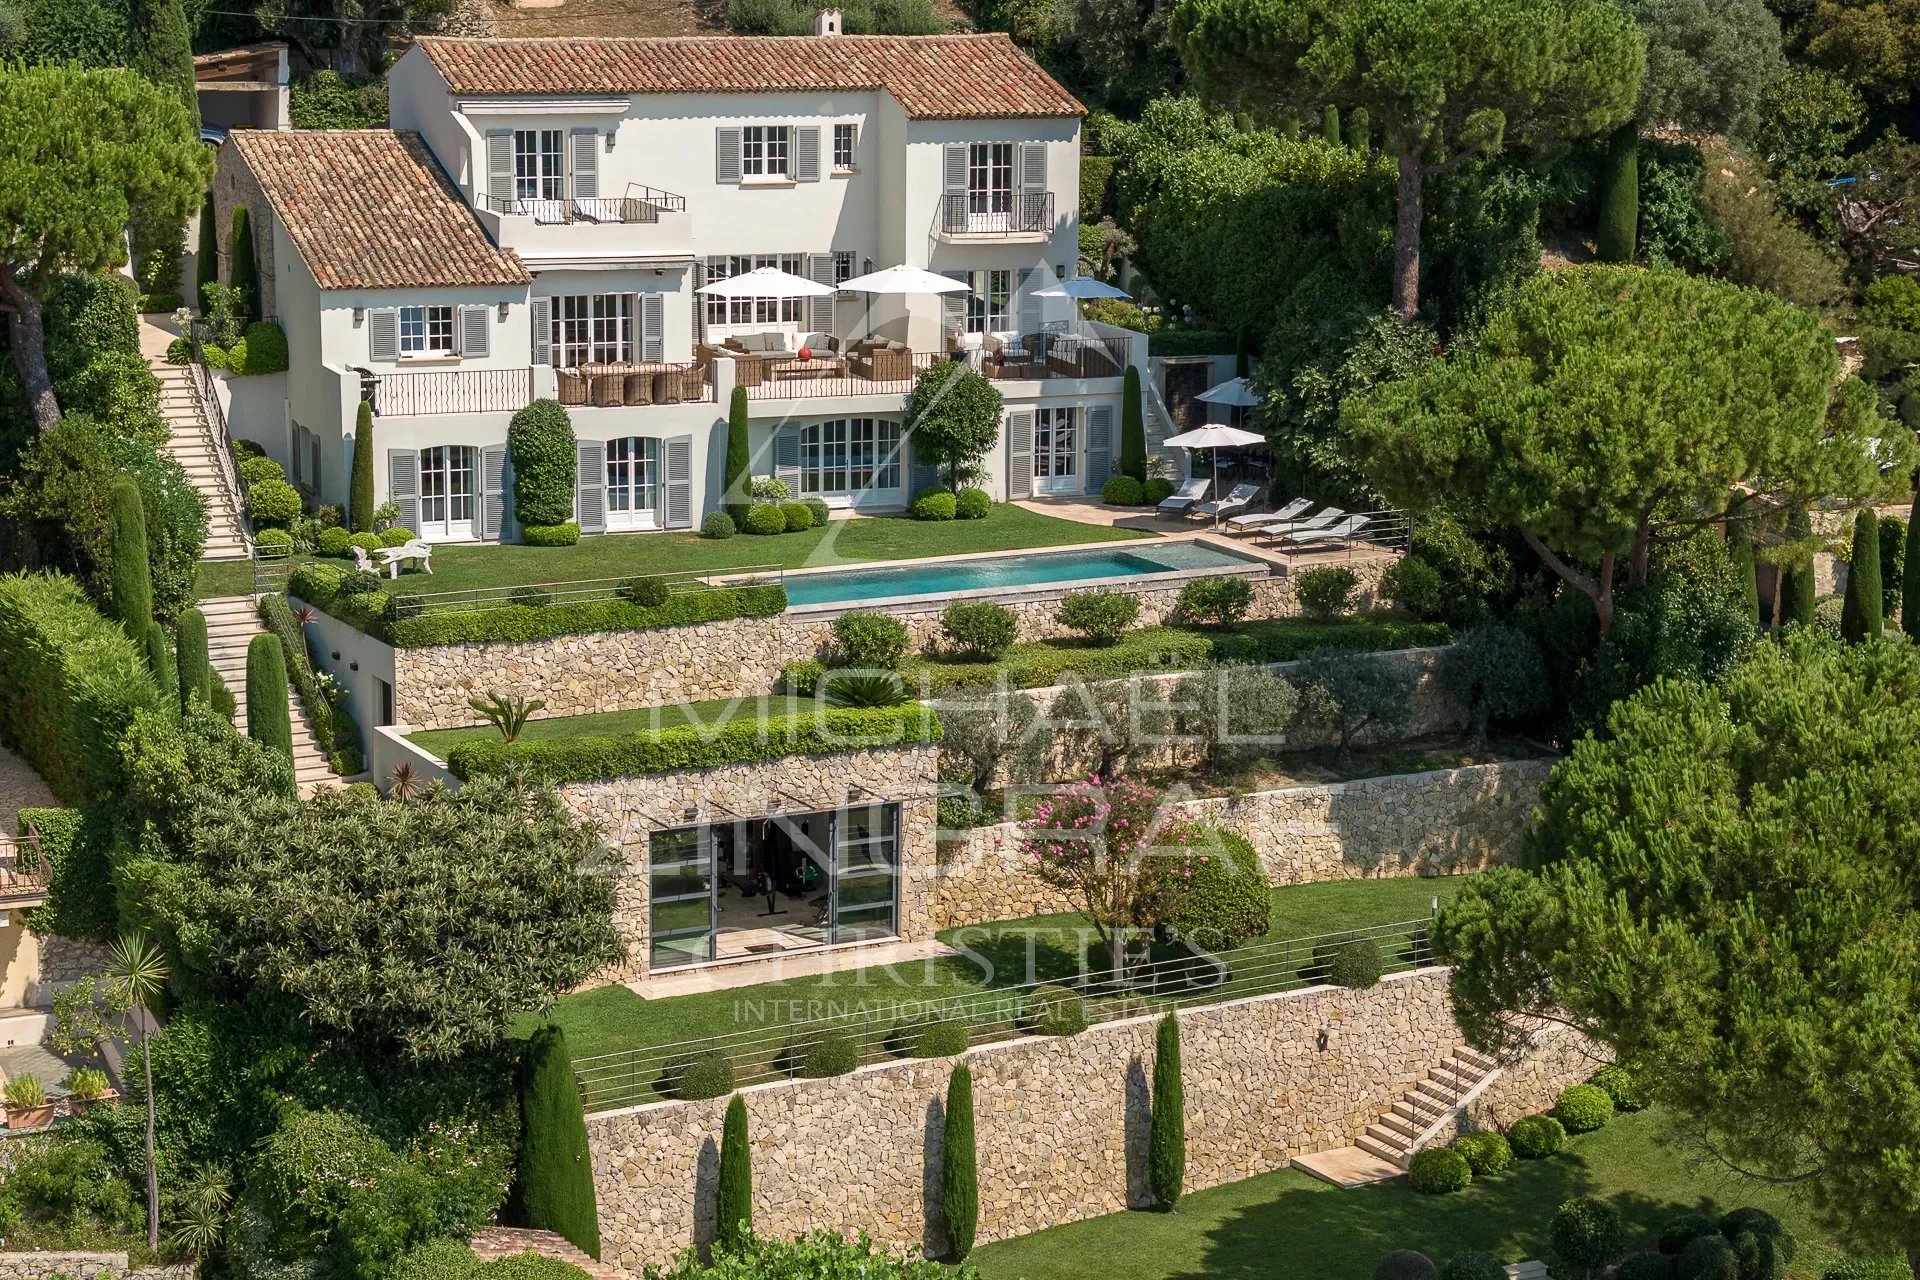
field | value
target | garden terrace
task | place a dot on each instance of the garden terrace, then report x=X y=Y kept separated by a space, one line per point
x=621 y=1042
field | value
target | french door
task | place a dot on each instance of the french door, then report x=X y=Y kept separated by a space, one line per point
x=446 y=492
x=633 y=483
x=989 y=186
x=1056 y=451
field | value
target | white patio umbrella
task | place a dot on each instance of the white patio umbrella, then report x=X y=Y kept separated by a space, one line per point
x=1215 y=437
x=902 y=281
x=766 y=282
x=1234 y=392
x=1079 y=288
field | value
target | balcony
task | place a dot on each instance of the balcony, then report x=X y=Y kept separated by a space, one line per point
x=998 y=216
x=643 y=223
x=862 y=371
x=24 y=871
x=443 y=391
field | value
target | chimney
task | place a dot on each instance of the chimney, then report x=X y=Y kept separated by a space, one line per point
x=826 y=22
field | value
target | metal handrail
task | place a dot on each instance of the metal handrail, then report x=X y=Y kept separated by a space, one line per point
x=233 y=484
x=419 y=392
x=24 y=869
x=633 y=1076
x=1027 y=213
x=582 y=590
x=630 y=208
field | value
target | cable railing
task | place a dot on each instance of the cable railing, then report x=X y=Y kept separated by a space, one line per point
x=771 y=1052
x=586 y=590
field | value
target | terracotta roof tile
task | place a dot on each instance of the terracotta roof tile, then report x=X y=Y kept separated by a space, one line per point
x=951 y=77
x=371 y=209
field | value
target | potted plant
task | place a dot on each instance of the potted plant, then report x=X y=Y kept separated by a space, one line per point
x=87 y=1086
x=27 y=1105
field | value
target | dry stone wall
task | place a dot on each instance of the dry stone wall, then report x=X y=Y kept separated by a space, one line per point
x=48 y=1265
x=1436 y=823
x=1060 y=1124
x=738 y=657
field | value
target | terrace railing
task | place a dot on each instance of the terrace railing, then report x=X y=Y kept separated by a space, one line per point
x=640 y=204
x=634 y=1076
x=583 y=590
x=435 y=391
x=1388 y=531
x=25 y=872
x=1009 y=214
x=877 y=374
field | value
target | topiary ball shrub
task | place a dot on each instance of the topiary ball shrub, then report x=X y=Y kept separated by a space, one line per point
x=704 y=1075
x=979 y=628
x=396 y=536
x=1583 y=1108
x=1536 y=1137
x=765 y=519
x=869 y=640
x=1226 y=900
x=1683 y=1229
x=1586 y=1234
x=274 y=541
x=1100 y=616
x=831 y=1053
x=934 y=504
x=1474 y=1265
x=365 y=541
x=798 y=515
x=260 y=469
x=718 y=524
x=1438 y=1171
x=1347 y=961
x=1406 y=1264
x=1648 y=1264
x=1707 y=1258
x=1326 y=592
x=819 y=509
x=1621 y=1087
x=550 y=535
x=1055 y=1011
x=930 y=1038
x=332 y=542
x=273 y=502
x=1122 y=491
x=972 y=504
x=1487 y=1154
x=266 y=350
x=1156 y=491
x=1221 y=601
x=648 y=593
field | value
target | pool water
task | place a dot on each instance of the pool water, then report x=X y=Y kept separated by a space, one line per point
x=987 y=573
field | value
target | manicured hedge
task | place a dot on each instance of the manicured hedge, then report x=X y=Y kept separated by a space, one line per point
x=323 y=587
x=70 y=683
x=77 y=844
x=331 y=718
x=813 y=731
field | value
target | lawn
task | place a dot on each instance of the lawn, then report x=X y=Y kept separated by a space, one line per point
x=1287 y=1224
x=465 y=568
x=220 y=578
x=709 y=715
x=1036 y=948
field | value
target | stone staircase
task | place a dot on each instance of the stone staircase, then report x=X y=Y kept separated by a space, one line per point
x=1392 y=1136
x=1159 y=421
x=232 y=623
x=492 y=1243
x=194 y=446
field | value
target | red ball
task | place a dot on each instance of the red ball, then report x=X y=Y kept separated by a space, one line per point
x=806 y=353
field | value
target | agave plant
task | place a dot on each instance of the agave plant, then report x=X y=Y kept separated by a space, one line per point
x=508 y=715
x=865 y=689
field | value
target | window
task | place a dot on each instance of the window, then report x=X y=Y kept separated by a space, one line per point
x=763 y=150
x=592 y=328
x=426 y=331
x=849 y=455
x=990 y=305
x=754 y=311
x=990 y=177
x=843 y=140
x=842 y=265
x=538 y=170
x=633 y=482
x=446 y=491
x=1056 y=446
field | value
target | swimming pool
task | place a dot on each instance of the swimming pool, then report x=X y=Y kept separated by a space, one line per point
x=987 y=573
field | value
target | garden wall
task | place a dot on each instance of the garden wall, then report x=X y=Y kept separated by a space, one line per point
x=629 y=810
x=83 y=1266
x=1060 y=1124
x=1435 y=823
x=617 y=670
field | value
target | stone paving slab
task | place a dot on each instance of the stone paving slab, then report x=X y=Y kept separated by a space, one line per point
x=1347 y=1167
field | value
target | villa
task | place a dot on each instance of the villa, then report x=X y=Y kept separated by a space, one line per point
x=543 y=215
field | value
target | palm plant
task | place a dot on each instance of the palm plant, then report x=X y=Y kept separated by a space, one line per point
x=203 y=1208
x=508 y=715
x=136 y=973
x=866 y=689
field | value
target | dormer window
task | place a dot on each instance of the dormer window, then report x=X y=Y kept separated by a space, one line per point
x=539 y=166
x=763 y=150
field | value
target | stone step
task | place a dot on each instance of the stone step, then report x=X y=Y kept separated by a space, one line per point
x=1475 y=1059
x=1400 y=1126
x=1375 y=1147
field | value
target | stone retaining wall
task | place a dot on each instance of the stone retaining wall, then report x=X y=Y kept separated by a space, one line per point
x=1060 y=1124
x=1435 y=823
x=738 y=657
x=83 y=1266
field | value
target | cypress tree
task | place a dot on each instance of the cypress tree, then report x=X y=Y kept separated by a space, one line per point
x=163 y=51
x=1910 y=574
x=1893 y=564
x=244 y=273
x=269 y=720
x=129 y=575
x=206 y=257
x=1861 y=613
x=1167 y=1137
x=1359 y=129
x=553 y=1181
x=360 y=492
x=1133 y=428
x=1330 y=123
x=190 y=657
x=1620 y=195
x=733 y=1199
x=739 y=459
x=959 y=1172
x=160 y=659
x=1799 y=583
x=1740 y=548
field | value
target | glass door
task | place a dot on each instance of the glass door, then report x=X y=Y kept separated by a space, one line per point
x=633 y=482
x=680 y=928
x=1056 y=452
x=446 y=492
x=865 y=871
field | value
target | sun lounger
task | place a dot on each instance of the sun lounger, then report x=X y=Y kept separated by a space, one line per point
x=1340 y=535
x=1313 y=524
x=1261 y=519
x=1241 y=495
x=1190 y=491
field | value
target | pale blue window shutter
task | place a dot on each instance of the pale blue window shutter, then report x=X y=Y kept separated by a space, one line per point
x=726 y=152
x=590 y=486
x=678 y=466
x=806 y=155
x=1031 y=280
x=820 y=309
x=1020 y=454
x=403 y=485
x=653 y=319
x=786 y=457
x=953 y=306
x=493 y=495
x=586 y=164
x=542 y=309
x=1099 y=446
x=383 y=336
x=474 y=334
x=500 y=167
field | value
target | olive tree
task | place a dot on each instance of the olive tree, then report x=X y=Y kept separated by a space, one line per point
x=953 y=418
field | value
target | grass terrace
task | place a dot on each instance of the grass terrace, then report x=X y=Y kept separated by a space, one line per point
x=616 y=724
x=1007 y=953
x=1288 y=1224
x=864 y=538
x=220 y=578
